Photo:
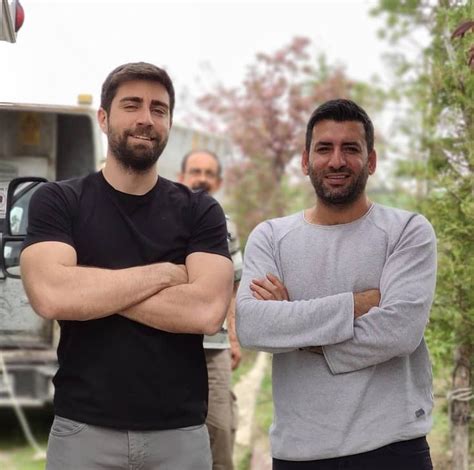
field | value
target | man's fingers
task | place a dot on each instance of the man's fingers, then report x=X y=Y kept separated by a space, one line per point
x=262 y=292
x=266 y=285
x=270 y=288
x=281 y=290
x=257 y=296
x=273 y=279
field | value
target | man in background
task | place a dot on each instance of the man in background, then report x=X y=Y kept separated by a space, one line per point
x=202 y=170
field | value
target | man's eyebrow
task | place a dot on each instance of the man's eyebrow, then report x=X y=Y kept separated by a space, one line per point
x=134 y=99
x=352 y=142
x=347 y=142
x=159 y=103
x=138 y=100
x=322 y=142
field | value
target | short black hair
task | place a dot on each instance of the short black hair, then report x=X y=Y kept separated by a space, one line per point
x=135 y=71
x=185 y=159
x=340 y=110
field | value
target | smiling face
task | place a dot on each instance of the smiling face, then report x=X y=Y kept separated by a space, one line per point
x=338 y=163
x=138 y=124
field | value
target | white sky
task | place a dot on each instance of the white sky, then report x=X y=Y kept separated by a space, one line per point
x=68 y=47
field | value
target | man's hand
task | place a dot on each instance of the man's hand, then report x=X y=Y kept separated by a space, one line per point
x=197 y=306
x=364 y=301
x=235 y=354
x=269 y=288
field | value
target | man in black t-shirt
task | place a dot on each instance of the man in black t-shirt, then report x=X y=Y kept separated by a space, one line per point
x=136 y=269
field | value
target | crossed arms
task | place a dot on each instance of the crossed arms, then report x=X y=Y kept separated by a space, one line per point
x=272 y=288
x=354 y=330
x=190 y=298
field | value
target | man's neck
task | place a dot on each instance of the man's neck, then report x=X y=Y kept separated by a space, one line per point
x=333 y=214
x=128 y=181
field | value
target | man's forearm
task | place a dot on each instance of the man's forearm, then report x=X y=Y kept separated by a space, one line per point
x=235 y=351
x=280 y=326
x=197 y=307
x=272 y=288
x=231 y=322
x=363 y=303
x=86 y=293
x=231 y=315
x=395 y=328
x=181 y=309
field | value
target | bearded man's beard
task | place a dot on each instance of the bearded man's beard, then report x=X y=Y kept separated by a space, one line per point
x=201 y=186
x=136 y=157
x=339 y=196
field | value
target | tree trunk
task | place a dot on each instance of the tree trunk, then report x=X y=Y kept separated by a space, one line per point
x=460 y=409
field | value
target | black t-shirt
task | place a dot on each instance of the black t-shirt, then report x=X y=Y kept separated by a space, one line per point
x=115 y=372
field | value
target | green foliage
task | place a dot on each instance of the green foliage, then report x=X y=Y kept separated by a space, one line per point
x=245 y=461
x=396 y=197
x=451 y=212
x=440 y=89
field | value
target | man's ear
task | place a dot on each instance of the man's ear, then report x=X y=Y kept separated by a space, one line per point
x=372 y=162
x=102 y=119
x=180 y=177
x=305 y=162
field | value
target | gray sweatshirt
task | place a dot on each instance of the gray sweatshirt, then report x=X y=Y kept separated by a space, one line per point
x=372 y=386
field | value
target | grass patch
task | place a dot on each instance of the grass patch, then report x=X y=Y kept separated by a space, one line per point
x=15 y=452
x=244 y=462
x=438 y=438
x=24 y=459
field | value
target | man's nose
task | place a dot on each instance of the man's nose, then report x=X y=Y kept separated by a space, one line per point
x=203 y=176
x=144 y=117
x=338 y=159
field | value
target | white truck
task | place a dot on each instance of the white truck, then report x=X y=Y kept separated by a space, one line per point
x=54 y=143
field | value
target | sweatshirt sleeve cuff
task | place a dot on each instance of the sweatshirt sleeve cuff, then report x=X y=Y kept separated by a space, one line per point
x=329 y=350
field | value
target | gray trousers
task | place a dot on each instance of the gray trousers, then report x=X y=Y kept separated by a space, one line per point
x=78 y=446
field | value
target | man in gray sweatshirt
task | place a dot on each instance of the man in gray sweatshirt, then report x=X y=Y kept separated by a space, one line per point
x=340 y=293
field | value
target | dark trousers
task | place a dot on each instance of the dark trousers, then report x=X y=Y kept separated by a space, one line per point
x=405 y=455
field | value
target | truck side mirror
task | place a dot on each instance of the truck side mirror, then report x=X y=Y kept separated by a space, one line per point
x=19 y=195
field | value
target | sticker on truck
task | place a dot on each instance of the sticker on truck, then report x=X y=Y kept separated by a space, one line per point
x=3 y=199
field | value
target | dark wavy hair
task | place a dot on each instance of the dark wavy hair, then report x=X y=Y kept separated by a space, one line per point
x=135 y=71
x=340 y=110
